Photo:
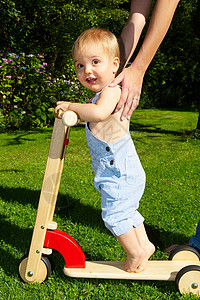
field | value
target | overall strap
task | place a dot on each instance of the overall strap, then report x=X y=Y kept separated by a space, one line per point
x=102 y=89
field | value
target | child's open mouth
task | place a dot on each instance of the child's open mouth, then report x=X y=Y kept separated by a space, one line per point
x=91 y=80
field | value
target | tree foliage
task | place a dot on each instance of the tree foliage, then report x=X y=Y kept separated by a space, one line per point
x=50 y=27
x=173 y=76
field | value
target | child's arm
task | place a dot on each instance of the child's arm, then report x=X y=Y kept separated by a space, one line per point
x=90 y=112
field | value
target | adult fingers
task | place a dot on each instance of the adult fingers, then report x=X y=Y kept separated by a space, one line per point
x=117 y=80
x=126 y=100
x=134 y=105
x=130 y=105
x=123 y=99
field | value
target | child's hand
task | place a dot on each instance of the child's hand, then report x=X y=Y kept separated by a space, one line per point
x=62 y=105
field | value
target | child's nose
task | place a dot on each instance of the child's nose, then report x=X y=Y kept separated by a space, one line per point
x=88 y=69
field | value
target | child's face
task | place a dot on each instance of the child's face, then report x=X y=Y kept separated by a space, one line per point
x=94 y=68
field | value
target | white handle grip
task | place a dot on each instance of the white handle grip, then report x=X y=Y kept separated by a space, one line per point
x=69 y=118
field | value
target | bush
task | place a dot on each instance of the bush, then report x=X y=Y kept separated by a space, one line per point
x=28 y=92
x=24 y=90
x=51 y=27
x=66 y=87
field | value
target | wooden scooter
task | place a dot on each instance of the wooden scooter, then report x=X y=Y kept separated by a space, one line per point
x=183 y=266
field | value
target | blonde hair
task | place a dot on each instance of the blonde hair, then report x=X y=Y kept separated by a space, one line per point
x=97 y=35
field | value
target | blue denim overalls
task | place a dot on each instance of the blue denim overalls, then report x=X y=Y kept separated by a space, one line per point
x=195 y=239
x=120 y=179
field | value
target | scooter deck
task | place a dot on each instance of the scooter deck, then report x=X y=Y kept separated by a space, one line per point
x=155 y=270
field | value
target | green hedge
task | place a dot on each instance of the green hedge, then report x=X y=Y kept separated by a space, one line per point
x=28 y=92
x=50 y=27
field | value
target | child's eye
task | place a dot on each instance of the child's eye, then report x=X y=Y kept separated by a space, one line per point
x=79 y=66
x=95 y=62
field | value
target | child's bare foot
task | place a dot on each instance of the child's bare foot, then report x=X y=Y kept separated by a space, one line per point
x=149 y=251
x=133 y=262
x=138 y=248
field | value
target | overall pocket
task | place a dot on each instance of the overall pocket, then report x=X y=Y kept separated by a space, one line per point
x=134 y=172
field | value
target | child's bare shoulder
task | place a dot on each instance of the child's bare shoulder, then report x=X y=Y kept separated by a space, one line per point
x=114 y=92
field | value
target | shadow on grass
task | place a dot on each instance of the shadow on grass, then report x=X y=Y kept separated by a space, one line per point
x=16 y=239
x=154 y=129
x=68 y=207
x=22 y=136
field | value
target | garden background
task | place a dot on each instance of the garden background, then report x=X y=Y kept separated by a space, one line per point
x=36 y=70
x=36 y=67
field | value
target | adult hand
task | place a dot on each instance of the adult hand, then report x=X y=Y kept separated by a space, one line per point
x=131 y=80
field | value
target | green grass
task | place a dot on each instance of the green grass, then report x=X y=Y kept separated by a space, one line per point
x=170 y=205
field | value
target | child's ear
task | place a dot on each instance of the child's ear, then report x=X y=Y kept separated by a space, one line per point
x=115 y=64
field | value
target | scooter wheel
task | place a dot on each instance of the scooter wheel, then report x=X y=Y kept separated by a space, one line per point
x=43 y=273
x=188 y=280
x=184 y=253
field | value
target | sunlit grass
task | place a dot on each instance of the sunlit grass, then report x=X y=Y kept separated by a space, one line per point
x=170 y=204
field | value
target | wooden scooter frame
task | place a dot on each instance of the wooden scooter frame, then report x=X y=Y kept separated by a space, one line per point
x=34 y=267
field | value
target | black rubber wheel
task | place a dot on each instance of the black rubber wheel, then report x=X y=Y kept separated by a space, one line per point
x=185 y=253
x=43 y=273
x=188 y=280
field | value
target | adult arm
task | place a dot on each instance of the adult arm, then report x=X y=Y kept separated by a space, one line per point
x=132 y=77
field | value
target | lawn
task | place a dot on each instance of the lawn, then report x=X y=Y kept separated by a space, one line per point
x=170 y=205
